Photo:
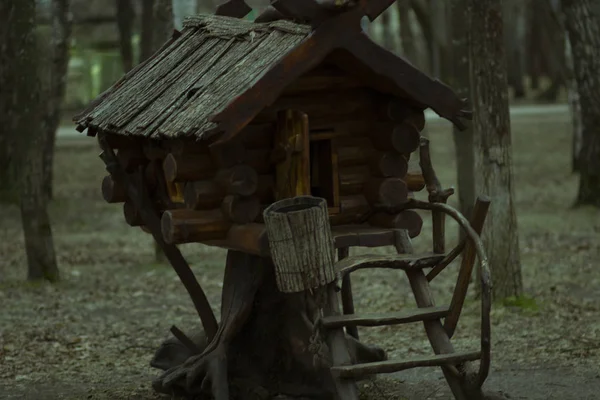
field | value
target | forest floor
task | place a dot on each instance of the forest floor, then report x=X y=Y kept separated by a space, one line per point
x=92 y=335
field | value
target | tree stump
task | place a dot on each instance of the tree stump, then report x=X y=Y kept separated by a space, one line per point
x=267 y=344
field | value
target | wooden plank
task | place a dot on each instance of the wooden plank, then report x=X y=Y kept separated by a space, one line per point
x=293 y=174
x=346 y=293
x=393 y=261
x=394 y=318
x=385 y=367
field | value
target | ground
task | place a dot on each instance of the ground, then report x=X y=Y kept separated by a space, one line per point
x=92 y=335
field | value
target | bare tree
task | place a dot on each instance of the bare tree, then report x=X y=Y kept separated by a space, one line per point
x=125 y=17
x=407 y=36
x=515 y=15
x=493 y=153
x=54 y=82
x=582 y=22
x=163 y=22
x=147 y=28
x=463 y=141
x=26 y=127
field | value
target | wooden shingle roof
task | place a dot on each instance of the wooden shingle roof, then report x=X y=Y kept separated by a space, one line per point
x=174 y=94
x=216 y=75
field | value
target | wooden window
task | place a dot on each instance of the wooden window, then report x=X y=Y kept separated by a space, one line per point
x=324 y=179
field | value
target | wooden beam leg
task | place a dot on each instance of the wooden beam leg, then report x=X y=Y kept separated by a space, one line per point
x=347 y=299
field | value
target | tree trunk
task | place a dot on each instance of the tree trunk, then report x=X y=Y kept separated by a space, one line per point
x=515 y=13
x=26 y=131
x=266 y=345
x=407 y=36
x=552 y=46
x=163 y=22
x=386 y=30
x=583 y=24
x=55 y=86
x=146 y=40
x=574 y=108
x=463 y=141
x=493 y=154
x=125 y=16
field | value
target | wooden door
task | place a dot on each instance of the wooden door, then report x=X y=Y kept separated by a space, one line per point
x=292 y=141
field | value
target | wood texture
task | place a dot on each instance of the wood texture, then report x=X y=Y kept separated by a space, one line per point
x=353 y=179
x=188 y=167
x=189 y=226
x=301 y=243
x=403 y=138
x=408 y=219
x=293 y=174
x=386 y=192
x=346 y=293
x=383 y=367
x=131 y=214
x=240 y=209
x=400 y=261
x=112 y=192
x=203 y=195
x=392 y=318
x=240 y=180
x=388 y=164
x=353 y=210
x=414 y=181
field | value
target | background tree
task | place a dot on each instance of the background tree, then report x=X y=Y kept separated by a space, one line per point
x=147 y=27
x=493 y=153
x=28 y=119
x=125 y=17
x=163 y=22
x=583 y=25
x=463 y=141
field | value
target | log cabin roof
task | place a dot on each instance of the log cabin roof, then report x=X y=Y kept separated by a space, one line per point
x=219 y=72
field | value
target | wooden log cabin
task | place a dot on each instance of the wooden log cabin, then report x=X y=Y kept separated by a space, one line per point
x=231 y=115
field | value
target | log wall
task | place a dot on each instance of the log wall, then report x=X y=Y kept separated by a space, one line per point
x=221 y=189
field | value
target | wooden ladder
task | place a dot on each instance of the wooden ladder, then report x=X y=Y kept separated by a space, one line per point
x=463 y=381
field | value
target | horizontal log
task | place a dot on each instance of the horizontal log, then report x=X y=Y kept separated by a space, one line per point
x=408 y=219
x=182 y=147
x=388 y=164
x=353 y=210
x=239 y=180
x=386 y=192
x=398 y=111
x=112 y=192
x=240 y=209
x=329 y=78
x=403 y=138
x=131 y=214
x=265 y=190
x=203 y=195
x=188 y=167
x=190 y=226
x=349 y=156
x=353 y=179
x=248 y=238
x=414 y=181
x=259 y=136
x=153 y=150
x=131 y=158
x=152 y=174
x=121 y=142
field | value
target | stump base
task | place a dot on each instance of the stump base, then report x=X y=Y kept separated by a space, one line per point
x=265 y=347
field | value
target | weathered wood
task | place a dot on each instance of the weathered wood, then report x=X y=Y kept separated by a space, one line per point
x=403 y=138
x=131 y=158
x=346 y=293
x=240 y=209
x=388 y=164
x=153 y=150
x=353 y=179
x=392 y=318
x=239 y=180
x=408 y=219
x=188 y=167
x=293 y=174
x=112 y=192
x=322 y=78
x=480 y=210
x=131 y=214
x=349 y=156
x=180 y=147
x=414 y=181
x=248 y=238
x=203 y=195
x=301 y=243
x=353 y=210
x=406 y=262
x=189 y=226
x=384 y=367
x=386 y=192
